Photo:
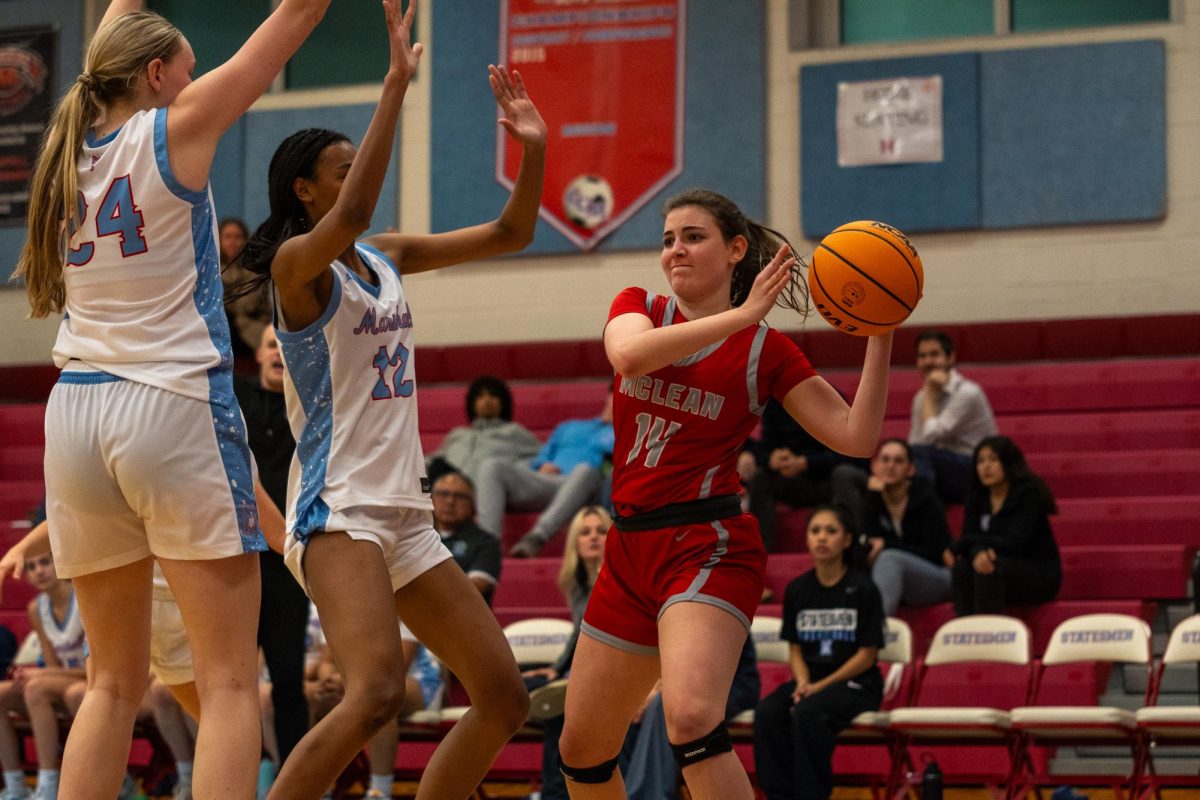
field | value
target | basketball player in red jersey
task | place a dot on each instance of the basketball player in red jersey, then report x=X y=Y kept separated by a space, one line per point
x=683 y=567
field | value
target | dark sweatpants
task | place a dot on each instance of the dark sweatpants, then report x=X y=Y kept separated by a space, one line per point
x=793 y=744
x=1014 y=582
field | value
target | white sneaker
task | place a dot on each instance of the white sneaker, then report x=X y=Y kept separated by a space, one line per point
x=9 y=794
x=41 y=794
x=182 y=791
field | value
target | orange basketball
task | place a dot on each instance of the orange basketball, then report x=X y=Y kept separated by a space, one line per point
x=865 y=278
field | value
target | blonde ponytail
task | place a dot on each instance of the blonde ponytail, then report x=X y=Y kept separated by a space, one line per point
x=116 y=59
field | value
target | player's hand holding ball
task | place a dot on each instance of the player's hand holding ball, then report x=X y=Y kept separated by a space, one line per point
x=865 y=278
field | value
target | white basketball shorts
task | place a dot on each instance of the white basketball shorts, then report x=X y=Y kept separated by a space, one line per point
x=133 y=470
x=406 y=536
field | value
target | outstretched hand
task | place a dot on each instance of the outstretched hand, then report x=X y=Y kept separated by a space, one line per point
x=521 y=118
x=769 y=282
x=404 y=54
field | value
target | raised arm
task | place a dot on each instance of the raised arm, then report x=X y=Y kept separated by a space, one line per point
x=118 y=7
x=635 y=347
x=510 y=231
x=302 y=259
x=852 y=429
x=205 y=109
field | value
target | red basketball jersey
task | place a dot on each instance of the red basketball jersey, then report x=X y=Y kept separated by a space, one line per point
x=679 y=430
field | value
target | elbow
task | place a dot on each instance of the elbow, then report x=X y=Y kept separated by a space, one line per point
x=624 y=362
x=512 y=238
x=861 y=447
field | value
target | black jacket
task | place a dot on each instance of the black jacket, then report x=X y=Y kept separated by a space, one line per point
x=923 y=529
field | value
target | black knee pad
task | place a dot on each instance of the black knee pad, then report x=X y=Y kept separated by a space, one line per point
x=597 y=774
x=715 y=743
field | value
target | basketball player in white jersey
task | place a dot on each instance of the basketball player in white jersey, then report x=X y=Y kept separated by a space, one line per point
x=361 y=538
x=145 y=449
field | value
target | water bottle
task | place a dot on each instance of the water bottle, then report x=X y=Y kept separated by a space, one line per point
x=931 y=780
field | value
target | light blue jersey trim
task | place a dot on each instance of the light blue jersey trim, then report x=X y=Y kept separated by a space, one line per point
x=92 y=141
x=335 y=299
x=306 y=354
x=85 y=378
x=229 y=427
x=164 y=163
x=379 y=254
x=365 y=284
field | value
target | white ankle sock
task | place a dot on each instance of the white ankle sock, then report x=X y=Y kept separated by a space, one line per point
x=14 y=781
x=382 y=782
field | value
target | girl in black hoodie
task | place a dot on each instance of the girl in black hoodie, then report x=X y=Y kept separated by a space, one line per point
x=1006 y=555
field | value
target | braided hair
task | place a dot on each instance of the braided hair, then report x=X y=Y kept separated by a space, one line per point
x=296 y=157
x=762 y=244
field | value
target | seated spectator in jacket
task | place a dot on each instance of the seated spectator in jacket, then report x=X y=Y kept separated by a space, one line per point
x=950 y=415
x=833 y=618
x=474 y=549
x=905 y=527
x=564 y=476
x=1007 y=554
x=490 y=432
x=788 y=465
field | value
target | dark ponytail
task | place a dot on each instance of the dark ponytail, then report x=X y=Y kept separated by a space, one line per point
x=296 y=157
x=762 y=244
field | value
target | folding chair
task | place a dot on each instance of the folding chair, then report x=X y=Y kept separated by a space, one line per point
x=980 y=651
x=1171 y=725
x=535 y=642
x=1094 y=638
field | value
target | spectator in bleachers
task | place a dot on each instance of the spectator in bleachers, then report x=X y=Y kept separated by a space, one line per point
x=565 y=475
x=1006 y=554
x=248 y=313
x=582 y=556
x=490 y=432
x=36 y=690
x=833 y=618
x=950 y=415
x=474 y=549
x=424 y=688
x=905 y=527
x=788 y=465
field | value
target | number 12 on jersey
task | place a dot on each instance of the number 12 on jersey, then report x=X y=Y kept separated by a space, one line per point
x=653 y=433
x=400 y=387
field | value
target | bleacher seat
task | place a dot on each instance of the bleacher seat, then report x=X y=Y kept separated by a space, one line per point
x=1173 y=724
x=976 y=669
x=1091 y=638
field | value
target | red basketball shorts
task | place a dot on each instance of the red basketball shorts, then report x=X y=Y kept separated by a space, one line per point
x=720 y=563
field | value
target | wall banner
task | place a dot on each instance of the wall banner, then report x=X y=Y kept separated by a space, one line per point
x=27 y=94
x=890 y=121
x=608 y=79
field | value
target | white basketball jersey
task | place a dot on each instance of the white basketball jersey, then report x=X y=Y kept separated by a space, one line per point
x=143 y=275
x=352 y=401
x=66 y=637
